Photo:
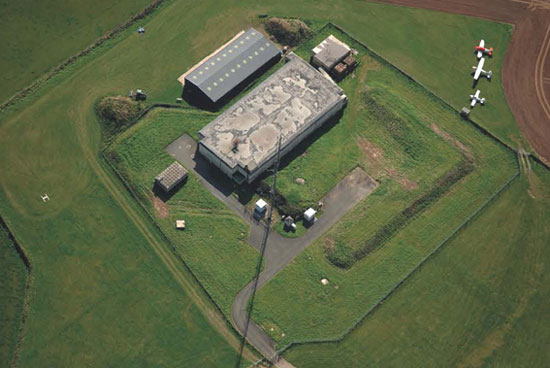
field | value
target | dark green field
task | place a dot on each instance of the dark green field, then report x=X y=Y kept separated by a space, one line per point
x=12 y=296
x=482 y=301
x=39 y=35
x=107 y=288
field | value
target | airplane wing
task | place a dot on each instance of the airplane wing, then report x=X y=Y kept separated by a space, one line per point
x=479 y=68
x=482 y=43
x=479 y=54
x=477 y=94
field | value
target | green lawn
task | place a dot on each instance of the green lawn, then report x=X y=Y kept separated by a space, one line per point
x=12 y=296
x=401 y=125
x=481 y=301
x=39 y=35
x=214 y=243
x=105 y=289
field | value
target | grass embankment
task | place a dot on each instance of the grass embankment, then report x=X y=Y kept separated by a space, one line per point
x=339 y=147
x=37 y=36
x=12 y=297
x=405 y=123
x=214 y=242
x=481 y=301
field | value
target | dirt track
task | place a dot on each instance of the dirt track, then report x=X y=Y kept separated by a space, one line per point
x=526 y=69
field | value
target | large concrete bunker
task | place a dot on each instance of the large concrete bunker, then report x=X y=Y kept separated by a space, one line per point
x=290 y=104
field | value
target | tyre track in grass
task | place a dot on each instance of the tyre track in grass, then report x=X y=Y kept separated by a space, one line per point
x=213 y=317
x=539 y=77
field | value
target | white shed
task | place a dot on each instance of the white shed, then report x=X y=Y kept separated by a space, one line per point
x=260 y=206
x=309 y=215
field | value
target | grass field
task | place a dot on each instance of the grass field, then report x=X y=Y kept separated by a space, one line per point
x=482 y=301
x=37 y=36
x=214 y=243
x=106 y=291
x=414 y=155
x=12 y=296
x=406 y=142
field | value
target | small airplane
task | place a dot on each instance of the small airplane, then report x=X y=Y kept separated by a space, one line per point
x=481 y=49
x=475 y=99
x=478 y=70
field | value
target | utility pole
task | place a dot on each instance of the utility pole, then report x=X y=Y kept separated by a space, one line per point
x=262 y=252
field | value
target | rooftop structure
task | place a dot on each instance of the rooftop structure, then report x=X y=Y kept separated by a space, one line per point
x=171 y=176
x=231 y=65
x=290 y=104
x=329 y=53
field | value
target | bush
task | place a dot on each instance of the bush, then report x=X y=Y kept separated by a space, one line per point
x=117 y=112
x=288 y=31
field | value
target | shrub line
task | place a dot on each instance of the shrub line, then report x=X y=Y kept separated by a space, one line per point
x=451 y=236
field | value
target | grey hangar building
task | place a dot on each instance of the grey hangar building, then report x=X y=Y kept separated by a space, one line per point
x=223 y=73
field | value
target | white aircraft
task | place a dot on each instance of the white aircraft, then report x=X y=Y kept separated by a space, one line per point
x=479 y=70
x=475 y=99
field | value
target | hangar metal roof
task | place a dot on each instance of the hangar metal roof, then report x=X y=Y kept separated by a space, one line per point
x=231 y=65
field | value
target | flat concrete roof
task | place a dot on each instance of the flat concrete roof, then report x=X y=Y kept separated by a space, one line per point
x=285 y=104
x=330 y=51
x=171 y=176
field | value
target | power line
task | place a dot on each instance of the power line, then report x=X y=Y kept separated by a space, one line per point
x=262 y=252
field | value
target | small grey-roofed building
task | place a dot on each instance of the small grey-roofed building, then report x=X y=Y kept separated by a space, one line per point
x=292 y=103
x=231 y=66
x=329 y=53
x=171 y=176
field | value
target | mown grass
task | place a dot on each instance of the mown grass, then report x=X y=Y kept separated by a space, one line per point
x=12 y=297
x=100 y=295
x=214 y=242
x=390 y=98
x=37 y=36
x=481 y=301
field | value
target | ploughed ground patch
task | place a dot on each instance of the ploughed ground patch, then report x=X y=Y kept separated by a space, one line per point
x=162 y=209
x=379 y=166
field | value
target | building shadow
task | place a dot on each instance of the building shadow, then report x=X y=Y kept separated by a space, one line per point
x=197 y=98
x=165 y=196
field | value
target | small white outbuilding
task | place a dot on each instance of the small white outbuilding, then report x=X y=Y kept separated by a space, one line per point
x=309 y=215
x=260 y=206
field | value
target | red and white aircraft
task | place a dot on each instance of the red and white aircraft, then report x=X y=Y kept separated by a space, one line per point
x=478 y=70
x=475 y=99
x=481 y=50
